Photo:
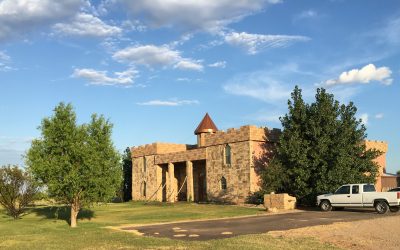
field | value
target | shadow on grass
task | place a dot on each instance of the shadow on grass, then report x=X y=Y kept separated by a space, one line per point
x=61 y=213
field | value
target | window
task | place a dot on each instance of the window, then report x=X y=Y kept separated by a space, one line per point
x=144 y=164
x=355 y=189
x=227 y=154
x=144 y=189
x=223 y=183
x=369 y=188
x=343 y=190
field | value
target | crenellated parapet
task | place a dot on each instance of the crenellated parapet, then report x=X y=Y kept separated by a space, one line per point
x=157 y=148
x=378 y=145
x=244 y=133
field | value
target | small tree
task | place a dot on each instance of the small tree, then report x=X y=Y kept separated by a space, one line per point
x=17 y=190
x=78 y=163
x=127 y=172
x=321 y=147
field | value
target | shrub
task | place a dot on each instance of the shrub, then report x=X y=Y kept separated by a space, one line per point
x=17 y=190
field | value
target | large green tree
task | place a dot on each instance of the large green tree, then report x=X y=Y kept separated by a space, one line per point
x=77 y=163
x=321 y=147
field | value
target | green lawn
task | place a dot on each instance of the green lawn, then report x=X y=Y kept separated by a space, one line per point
x=47 y=228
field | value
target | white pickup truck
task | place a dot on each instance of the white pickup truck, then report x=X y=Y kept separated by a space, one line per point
x=360 y=195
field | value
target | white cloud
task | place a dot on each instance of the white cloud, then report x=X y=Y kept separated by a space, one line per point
x=258 y=85
x=85 y=24
x=364 y=118
x=220 y=64
x=255 y=43
x=168 y=103
x=5 y=62
x=95 y=77
x=195 y=14
x=151 y=55
x=364 y=75
x=20 y=16
x=379 y=116
x=189 y=65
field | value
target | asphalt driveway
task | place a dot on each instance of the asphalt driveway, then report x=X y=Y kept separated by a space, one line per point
x=223 y=228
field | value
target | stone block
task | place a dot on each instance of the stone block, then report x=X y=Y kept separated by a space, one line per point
x=274 y=202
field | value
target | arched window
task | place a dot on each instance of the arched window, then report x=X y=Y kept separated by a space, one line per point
x=144 y=164
x=223 y=183
x=227 y=154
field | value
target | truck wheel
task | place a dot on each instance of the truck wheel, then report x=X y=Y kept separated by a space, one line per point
x=325 y=206
x=394 y=209
x=381 y=207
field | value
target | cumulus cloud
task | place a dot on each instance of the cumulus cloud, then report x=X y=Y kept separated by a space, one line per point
x=168 y=102
x=95 y=77
x=220 y=64
x=364 y=75
x=20 y=16
x=254 y=43
x=151 y=55
x=258 y=85
x=85 y=24
x=195 y=14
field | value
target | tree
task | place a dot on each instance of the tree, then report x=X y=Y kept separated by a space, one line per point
x=321 y=147
x=127 y=172
x=17 y=190
x=78 y=163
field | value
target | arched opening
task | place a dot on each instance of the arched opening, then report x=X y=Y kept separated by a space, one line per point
x=144 y=189
x=144 y=164
x=223 y=183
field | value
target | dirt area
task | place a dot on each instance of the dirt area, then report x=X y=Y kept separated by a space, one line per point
x=380 y=233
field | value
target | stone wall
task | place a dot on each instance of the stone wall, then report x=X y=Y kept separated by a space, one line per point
x=157 y=148
x=237 y=174
x=188 y=155
x=151 y=176
x=244 y=133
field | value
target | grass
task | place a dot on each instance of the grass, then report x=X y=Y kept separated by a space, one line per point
x=46 y=227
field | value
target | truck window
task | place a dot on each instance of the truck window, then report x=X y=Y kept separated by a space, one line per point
x=343 y=190
x=369 y=188
x=355 y=189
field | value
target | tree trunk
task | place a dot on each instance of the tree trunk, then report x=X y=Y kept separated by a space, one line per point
x=74 y=212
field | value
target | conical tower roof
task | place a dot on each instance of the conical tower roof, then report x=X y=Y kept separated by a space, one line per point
x=206 y=126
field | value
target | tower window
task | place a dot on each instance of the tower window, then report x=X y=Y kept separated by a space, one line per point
x=144 y=164
x=223 y=183
x=227 y=154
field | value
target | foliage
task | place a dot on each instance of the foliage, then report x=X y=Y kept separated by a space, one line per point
x=321 y=147
x=78 y=163
x=17 y=190
x=127 y=175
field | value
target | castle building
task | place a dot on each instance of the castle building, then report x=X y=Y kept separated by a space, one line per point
x=219 y=168
x=222 y=166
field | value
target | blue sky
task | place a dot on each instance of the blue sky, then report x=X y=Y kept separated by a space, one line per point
x=155 y=67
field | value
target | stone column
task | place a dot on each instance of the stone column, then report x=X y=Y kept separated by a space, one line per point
x=189 y=181
x=159 y=186
x=171 y=196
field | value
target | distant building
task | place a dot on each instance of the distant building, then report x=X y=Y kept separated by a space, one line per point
x=385 y=181
x=220 y=167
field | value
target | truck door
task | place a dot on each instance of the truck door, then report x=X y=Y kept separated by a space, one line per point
x=355 y=196
x=341 y=197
